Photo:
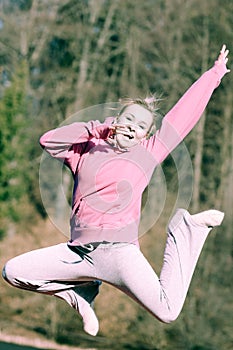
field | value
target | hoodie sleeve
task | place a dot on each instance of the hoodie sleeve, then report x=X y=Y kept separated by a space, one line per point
x=181 y=119
x=68 y=142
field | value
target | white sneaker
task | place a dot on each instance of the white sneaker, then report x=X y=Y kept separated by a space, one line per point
x=90 y=321
x=209 y=218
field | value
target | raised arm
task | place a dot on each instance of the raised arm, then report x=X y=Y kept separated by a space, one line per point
x=181 y=119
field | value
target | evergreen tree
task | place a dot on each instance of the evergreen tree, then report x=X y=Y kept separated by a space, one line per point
x=12 y=151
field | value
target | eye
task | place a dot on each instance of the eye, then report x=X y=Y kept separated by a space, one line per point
x=142 y=127
x=128 y=117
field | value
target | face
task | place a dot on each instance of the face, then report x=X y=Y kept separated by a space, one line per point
x=136 y=121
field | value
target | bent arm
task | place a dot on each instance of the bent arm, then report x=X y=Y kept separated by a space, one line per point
x=68 y=142
x=181 y=119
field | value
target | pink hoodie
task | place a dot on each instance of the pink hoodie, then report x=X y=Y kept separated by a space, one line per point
x=108 y=183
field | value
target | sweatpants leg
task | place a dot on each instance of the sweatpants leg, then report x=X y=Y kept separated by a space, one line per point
x=183 y=247
x=47 y=271
x=125 y=267
x=55 y=269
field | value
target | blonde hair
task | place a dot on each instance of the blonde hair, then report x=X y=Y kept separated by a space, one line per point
x=151 y=103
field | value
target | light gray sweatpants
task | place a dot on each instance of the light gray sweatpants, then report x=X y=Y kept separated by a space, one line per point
x=59 y=271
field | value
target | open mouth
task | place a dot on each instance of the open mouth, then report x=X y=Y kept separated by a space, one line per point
x=130 y=137
x=129 y=134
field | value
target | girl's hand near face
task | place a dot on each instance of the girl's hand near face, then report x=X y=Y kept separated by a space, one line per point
x=119 y=128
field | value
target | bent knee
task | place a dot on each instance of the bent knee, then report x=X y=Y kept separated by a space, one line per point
x=4 y=273
x=168 y=317
x=8 y=272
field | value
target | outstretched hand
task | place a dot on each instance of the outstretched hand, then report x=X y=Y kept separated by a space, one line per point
x=222 y=58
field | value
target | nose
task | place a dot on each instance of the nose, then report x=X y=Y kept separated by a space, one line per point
x=131 y=128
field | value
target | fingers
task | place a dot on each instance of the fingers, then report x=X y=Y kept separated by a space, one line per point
x=120 y=131
x=222 y=58
x=118 y=126
x=223 y=51
x=223 y=48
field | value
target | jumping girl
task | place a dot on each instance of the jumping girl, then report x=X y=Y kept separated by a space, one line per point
x=112 y=164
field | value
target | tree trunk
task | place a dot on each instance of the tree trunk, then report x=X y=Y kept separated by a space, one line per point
x=86 y=54
x=223 y=199
x=197 y=162
x=200 y=128
x=104 y=36
x=227 y=168
x=62 y=206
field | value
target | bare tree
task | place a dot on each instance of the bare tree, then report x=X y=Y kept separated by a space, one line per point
x=200 y=129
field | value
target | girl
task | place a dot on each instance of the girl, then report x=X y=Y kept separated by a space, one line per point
x=112 y=163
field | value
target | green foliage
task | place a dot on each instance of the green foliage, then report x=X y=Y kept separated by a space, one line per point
x=12 y=121
x=82 y=53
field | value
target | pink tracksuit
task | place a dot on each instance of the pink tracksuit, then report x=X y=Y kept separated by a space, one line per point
x=108 y=185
